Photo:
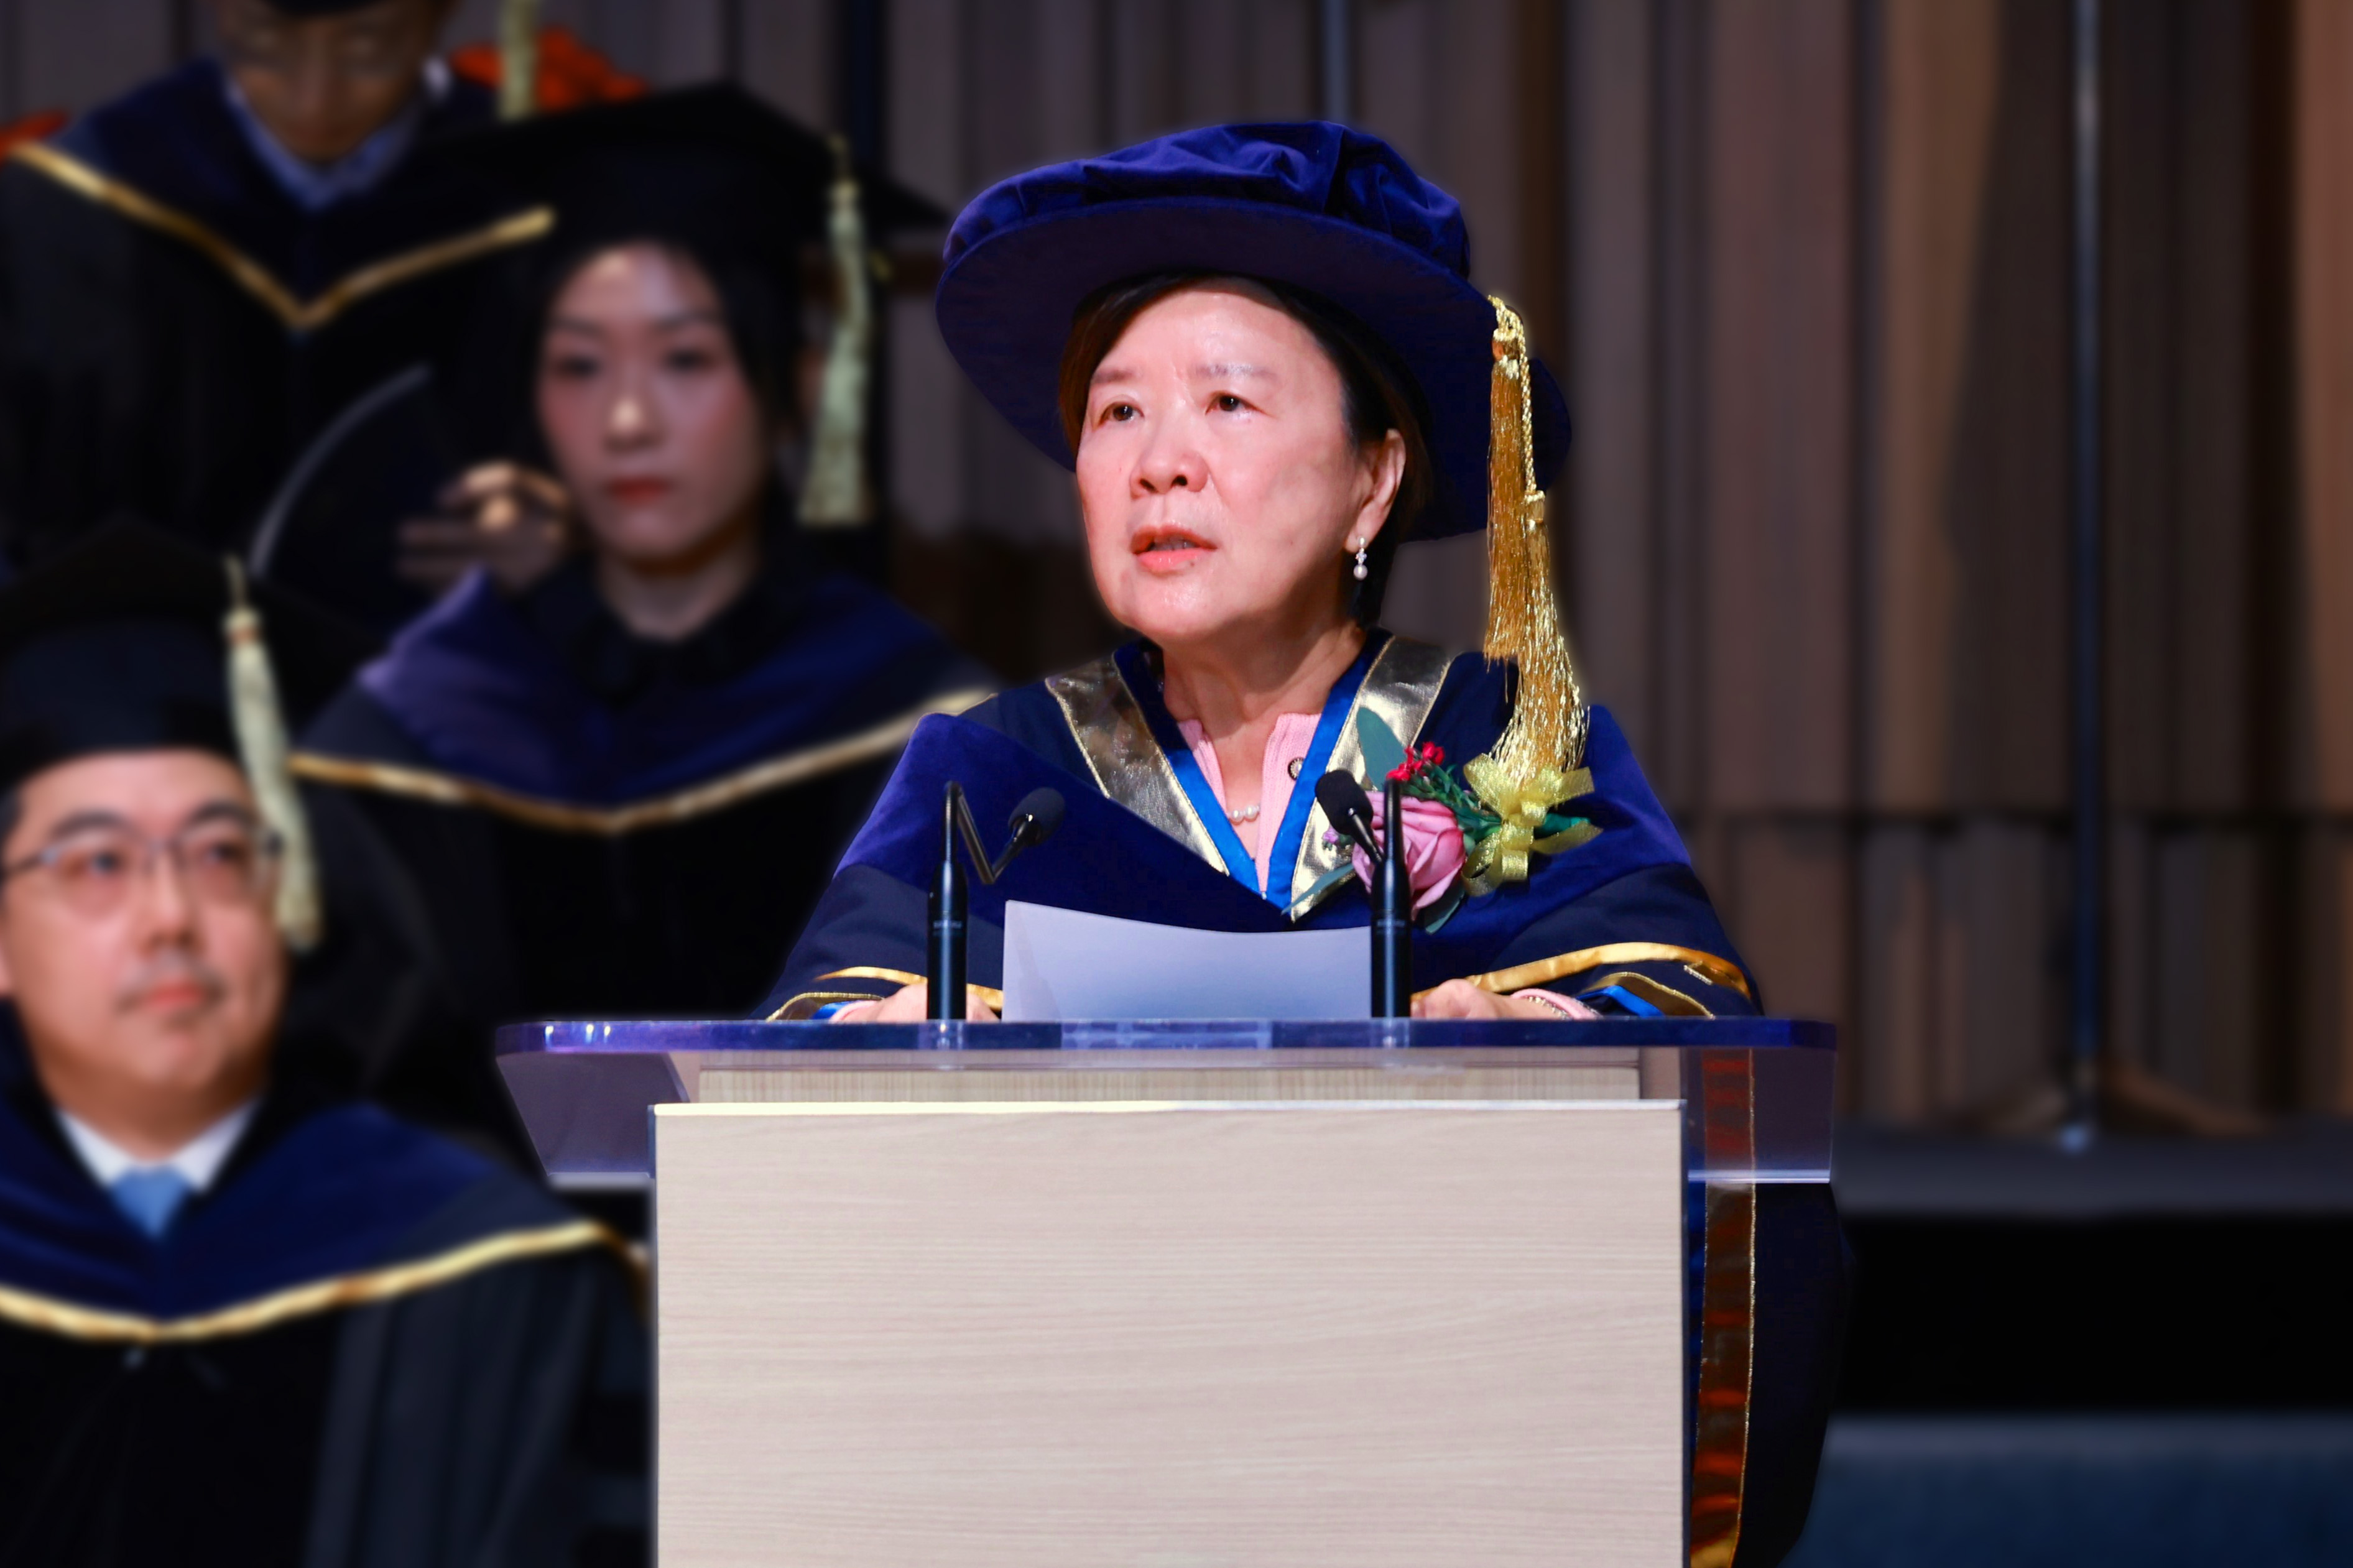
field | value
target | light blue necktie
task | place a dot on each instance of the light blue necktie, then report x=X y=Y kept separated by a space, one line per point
x=151 y=1196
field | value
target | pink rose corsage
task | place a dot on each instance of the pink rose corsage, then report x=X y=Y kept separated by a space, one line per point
x=1433 y=848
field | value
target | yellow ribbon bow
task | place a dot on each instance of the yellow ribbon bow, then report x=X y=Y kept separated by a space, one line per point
x=1522 y=805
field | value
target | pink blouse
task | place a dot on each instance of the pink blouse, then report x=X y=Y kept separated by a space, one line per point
x=1286 y=749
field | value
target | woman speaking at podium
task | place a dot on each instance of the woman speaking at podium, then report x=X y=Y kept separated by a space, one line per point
x=1259 y=347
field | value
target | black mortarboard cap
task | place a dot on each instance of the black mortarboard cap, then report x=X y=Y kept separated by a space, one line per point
x=713 y=167
x=116 y=644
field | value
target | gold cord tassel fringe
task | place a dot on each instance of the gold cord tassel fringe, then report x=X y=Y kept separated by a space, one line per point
x=1531 y=766
x=518 y=59
x=261 y=744
x=836 y=494
x=1546 y=733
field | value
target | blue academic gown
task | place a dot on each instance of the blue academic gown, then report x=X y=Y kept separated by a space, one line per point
x=1143 y=841
x=1618 y=918
x=361 y=1345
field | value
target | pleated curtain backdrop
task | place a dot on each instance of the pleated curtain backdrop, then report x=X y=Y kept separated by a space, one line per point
x=1802 y=266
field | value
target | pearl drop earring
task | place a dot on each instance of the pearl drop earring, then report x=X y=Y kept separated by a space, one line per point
x=1362 y=572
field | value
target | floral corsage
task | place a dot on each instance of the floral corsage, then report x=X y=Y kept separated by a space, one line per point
x=1456 y=843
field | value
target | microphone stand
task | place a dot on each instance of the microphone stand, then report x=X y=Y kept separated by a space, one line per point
x=1034 y=821
x=943 y=957
x=1393 y=915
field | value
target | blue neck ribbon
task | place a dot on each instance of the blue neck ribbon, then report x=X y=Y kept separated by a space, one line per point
x=1146 y=684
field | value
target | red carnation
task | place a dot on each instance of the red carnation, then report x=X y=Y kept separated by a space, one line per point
x=1420 y=757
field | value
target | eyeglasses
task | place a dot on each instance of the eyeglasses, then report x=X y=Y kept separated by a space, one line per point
x=220 y=861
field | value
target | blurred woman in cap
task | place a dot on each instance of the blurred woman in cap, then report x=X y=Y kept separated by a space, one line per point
x=621 y=789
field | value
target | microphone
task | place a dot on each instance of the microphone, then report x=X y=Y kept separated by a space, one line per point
x=1350 y=810
x=1032 y=823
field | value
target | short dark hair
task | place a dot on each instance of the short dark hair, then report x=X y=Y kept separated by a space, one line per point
x=1378 y=394
x=12 y=812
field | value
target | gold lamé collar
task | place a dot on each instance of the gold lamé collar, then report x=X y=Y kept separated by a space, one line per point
x=1128 y=764
x=1129 y=767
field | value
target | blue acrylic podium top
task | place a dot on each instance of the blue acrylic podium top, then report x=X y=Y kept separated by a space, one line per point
x=1156 y=1034
x=1756 y=1091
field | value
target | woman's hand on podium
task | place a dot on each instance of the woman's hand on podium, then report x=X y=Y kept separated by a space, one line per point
x=911 y=1005
x=1460 y=999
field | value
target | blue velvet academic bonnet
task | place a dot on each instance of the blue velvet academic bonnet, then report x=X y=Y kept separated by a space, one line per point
x=1320 y=208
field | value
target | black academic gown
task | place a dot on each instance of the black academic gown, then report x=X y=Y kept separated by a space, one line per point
x=588 y=824
x=176 y=332
x=361 y=1346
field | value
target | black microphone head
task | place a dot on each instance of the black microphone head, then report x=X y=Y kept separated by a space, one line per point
x=1344 y=800
x=1035 y=819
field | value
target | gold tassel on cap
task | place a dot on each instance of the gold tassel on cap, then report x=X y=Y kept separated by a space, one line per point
x=518 y=59
x=1536 y=761
x=836 y=494
x=261 y=746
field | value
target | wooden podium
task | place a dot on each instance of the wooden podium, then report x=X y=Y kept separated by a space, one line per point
x=1171 y=1296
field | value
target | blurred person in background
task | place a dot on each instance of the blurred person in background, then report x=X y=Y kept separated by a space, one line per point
x=201 y=279
x=239 y=1320
x=621 y=790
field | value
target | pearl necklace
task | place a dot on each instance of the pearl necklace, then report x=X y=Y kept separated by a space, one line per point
x=1246 y=813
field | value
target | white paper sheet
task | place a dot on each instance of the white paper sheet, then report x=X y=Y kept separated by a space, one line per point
x=1059 y=964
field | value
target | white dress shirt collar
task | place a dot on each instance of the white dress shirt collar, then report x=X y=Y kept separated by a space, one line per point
x=317 y=186
x=197 y=1162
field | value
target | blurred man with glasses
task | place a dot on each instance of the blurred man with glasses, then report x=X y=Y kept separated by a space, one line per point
x=209 y=283
x=138 y=941
x=242 y=1320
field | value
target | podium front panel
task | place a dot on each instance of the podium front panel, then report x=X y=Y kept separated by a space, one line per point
x=1167 y=1334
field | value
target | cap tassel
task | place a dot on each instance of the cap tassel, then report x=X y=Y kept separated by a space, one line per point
x=261 y=744
x=518 y=59
x=837 y=494
x=1535 y=761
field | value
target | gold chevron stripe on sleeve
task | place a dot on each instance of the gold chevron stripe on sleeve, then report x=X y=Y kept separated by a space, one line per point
x=798 y=1009
x=297 y=315
x=611 y=821
x=1706 y=965
x=802 y=1009
x=49 y=1316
